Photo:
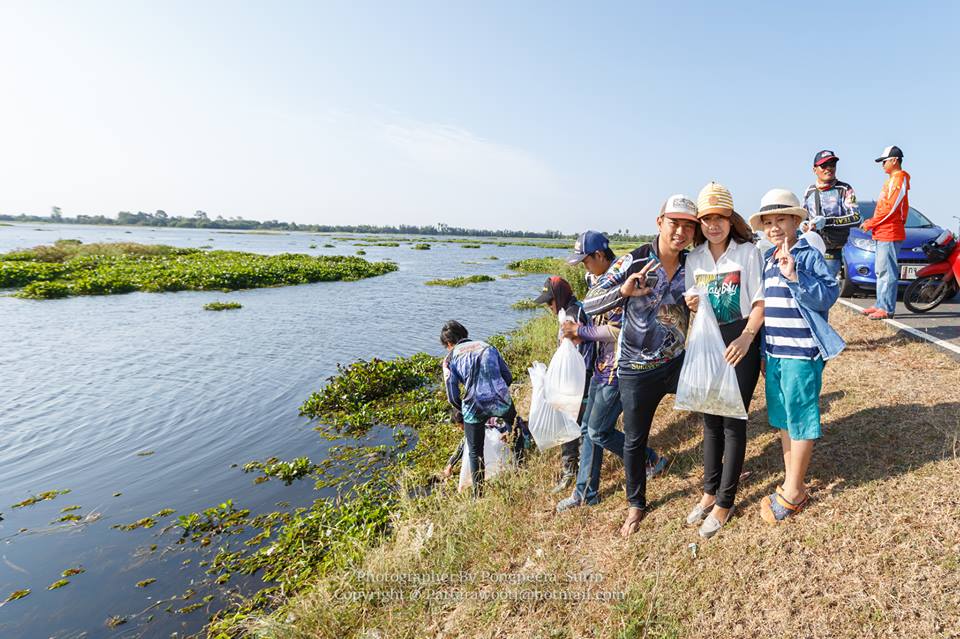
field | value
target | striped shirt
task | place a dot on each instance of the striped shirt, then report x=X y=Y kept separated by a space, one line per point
x=787 y=333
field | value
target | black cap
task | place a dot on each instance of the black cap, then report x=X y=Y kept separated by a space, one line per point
x=822 y=157
x=546 y=294
x=890 y=152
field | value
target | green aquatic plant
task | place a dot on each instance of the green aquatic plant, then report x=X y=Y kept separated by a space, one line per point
x=60 y=583
x=313 y=246
x=525 y=305
x=222 y=306
x=70 y=572
x=145 y=453
x=470 y=246
x=17 y=594
x=115 y=620
x=361 y=252
x=67 y=509
x=329 y=246
x=44 y=496
x=66 y=518
x=460 y=281
x=146 y=522
x=146 y=582
x=421 y=247
x=553 y=266
x=101 y=269
x=288 y=472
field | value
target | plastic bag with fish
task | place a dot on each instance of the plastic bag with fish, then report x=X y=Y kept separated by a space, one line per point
x=708 y=383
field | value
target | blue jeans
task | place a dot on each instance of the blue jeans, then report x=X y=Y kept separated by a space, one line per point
x=834 y=262
x=888 y=274
x=598 y=430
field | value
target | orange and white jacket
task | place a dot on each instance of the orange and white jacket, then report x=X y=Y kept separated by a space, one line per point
x=887 y=223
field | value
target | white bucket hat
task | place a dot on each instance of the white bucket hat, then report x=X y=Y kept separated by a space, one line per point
x=780 y=201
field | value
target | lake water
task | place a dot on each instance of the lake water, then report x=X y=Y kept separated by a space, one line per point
x=87 y=383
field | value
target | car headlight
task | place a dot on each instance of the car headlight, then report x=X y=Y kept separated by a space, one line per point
x=864 y=244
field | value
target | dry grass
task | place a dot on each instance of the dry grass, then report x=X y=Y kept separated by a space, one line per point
x=877 y=554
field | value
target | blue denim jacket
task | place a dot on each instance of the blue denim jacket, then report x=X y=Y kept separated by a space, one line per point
x=815 y=291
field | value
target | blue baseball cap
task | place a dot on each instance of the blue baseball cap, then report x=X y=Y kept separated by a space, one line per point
x=588 y=242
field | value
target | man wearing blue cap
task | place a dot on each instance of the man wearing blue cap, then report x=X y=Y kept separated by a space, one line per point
x=598 y=425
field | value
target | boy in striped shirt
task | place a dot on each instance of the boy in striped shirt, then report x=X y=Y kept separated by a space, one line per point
x=799 y=291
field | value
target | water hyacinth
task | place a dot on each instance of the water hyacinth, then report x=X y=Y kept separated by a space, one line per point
x=103 y=269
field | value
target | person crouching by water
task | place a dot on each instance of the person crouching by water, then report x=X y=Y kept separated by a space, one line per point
x=558 y=296
x=599 y=424
x=726 y=264
x=486 y=379
x=649 y=284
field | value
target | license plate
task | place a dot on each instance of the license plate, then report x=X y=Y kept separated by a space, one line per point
x=909 y=271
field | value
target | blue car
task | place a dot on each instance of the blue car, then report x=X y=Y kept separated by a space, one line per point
x=860 y=252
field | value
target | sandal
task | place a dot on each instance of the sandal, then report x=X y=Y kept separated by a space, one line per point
x=775 y=508
x=632 y=523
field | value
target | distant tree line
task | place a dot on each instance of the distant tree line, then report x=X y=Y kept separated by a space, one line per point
x=200 y=220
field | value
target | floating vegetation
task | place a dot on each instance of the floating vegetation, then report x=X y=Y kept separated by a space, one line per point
x=525 y=305
x=205 y=246
x=225 y=518
x=115 y=620
x=146 y=522
x=553 y=266
x=145 y=582
x=222 y=306
x=145 y=453
x=17 y=594
x=313 y=246
x=44 y=496
x=421 y=247
x=70 y=572
x=329 y=246
x=470 y=246
x=117 y=494
x=166 y=512
x=190 y=608
x=461 y=281
x=63 y=269
x=67 y=509
x=288 y=472
x=361 y=252
x=68 y=517
x=60 y=583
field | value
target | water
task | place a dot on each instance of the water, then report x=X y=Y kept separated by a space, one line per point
x=86 y=383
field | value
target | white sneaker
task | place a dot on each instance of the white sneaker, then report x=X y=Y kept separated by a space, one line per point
x=698 y=514
x=710 y=527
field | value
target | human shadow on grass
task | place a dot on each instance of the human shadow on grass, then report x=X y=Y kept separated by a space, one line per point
x=876 y=443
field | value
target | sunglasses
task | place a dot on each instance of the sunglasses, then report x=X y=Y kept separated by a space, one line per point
x=828 y=165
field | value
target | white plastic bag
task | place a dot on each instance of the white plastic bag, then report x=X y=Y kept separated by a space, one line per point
x=497 y=457
x=566 y=378
x=549 y=426
x=708 y=384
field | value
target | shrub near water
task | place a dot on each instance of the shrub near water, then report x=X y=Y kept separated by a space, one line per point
x=69 y=268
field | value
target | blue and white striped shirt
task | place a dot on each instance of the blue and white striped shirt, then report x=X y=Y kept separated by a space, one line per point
x=787 y=333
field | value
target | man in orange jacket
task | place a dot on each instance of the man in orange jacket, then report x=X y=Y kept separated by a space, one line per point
x=887 y=227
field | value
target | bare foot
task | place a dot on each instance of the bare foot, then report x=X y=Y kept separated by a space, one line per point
x=632 y=522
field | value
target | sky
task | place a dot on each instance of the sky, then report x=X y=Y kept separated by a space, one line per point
x=523 y=115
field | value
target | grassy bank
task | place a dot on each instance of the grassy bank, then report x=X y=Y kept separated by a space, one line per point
x=876 y=554
x=71 y=268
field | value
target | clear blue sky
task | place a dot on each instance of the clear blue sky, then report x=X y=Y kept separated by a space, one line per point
x=524 y=115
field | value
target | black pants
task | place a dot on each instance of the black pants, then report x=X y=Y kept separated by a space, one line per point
x=475 y=432
x=725 y=438
x=640 y=393
x=570 y=451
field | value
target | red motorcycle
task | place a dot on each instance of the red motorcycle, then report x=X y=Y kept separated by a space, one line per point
x=938 y=281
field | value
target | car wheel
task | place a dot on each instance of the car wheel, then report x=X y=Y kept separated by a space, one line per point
x=847 y=287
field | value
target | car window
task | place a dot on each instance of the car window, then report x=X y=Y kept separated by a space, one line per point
x=915 y=219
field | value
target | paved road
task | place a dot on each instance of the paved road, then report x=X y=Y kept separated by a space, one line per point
x=942 y=323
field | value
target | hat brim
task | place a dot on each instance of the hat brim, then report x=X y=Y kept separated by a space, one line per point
x=576 y=258
x=823 y=161
x=791 y=210
x=717 y=210
x=543 y=298
x=889 y=157
x=681 y=216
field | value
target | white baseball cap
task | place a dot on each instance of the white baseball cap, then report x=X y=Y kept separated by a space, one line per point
x=679 y=207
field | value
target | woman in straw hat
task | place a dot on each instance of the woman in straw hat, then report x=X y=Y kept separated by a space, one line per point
x=725 y=265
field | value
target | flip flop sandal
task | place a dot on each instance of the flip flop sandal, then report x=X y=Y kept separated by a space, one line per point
x=776 y=508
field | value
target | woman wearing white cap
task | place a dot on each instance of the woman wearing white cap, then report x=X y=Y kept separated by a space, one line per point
x=726 y=265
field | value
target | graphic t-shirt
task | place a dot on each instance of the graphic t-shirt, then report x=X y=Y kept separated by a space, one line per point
x=732 y=283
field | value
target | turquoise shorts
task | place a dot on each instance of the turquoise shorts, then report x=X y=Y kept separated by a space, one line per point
x=793 y=395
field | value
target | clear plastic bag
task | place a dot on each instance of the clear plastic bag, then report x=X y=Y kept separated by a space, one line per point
x=549 y=426
x=566 y=378
x=497 y=457
x=708 y=383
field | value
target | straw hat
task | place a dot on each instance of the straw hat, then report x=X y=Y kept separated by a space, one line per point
x=714 y=199
x=781 y=202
